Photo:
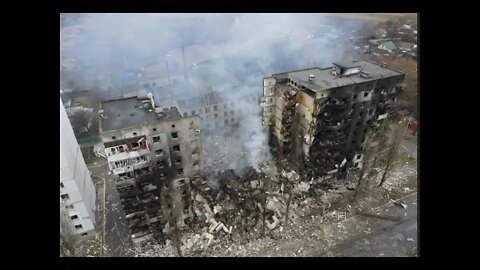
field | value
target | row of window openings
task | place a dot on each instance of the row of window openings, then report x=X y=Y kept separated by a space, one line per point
x=232 y=120
x=232 y=112
x=370 y=112
x=120 y=148
x=178 y=161
x=215 y=108
x=174 y=135
x=164 y=176
x=345 y=100
x=130 y=161
x=156 y=139
x=160 y=152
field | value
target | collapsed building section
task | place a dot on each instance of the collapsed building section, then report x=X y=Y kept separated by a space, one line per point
x=322 y=115
x=148 y=149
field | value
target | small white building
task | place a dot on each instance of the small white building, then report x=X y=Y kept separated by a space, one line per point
x=77 y=191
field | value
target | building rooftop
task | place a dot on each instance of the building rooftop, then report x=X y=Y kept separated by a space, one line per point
x=324 y=79
x=132 y=111
x=345 y=65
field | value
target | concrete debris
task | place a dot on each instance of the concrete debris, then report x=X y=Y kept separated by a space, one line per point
x=292 y=176
x=197 y=212
x=404 y=206
x=272 y=225
x=200 y=198
x=213 y=225
x=209 y=237
x=259 y=205
x=302 y=187
x=217 y=209
x=271 y=205
x=220 y=227
x=192 y=241
x=208 y=209
x=240 y=200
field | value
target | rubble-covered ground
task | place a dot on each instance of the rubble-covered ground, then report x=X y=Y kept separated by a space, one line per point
x=246 y=216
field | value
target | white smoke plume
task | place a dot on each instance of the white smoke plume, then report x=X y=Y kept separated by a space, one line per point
x=249 y=47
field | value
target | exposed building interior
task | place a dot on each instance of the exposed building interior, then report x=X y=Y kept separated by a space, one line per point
x=323 y=115
x=149 y=148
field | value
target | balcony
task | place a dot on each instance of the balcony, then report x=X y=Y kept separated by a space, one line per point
x=128 y=155
x=128 y=168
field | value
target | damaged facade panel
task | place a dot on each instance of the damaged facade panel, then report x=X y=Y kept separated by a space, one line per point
x=148 y=148
x=322 y=116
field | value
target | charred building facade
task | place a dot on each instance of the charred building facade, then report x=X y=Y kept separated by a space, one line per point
x=149 y=149
x=323 y=115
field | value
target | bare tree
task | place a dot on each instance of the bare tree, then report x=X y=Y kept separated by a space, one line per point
x=392 y=152
x=364 y=171
x=67 y=241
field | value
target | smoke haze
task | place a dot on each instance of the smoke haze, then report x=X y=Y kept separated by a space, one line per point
x=243 y=48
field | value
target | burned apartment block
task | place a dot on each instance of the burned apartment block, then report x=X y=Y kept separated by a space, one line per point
x=323 y=115
x=150 y=149
x=209 y=106
x=218 y=114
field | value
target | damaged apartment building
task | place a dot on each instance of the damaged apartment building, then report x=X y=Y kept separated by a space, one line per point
x=150 y=150
x=323 y=115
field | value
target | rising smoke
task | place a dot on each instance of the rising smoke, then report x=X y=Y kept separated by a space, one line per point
x=251 y=46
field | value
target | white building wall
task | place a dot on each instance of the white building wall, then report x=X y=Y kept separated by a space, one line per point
x=75 y=181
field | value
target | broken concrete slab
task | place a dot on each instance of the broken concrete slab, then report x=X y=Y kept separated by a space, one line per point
x=292 y=175
x=209 y=237
x=217 y=209
x=259 y=205
x=301 y=187
x=271 y=205
x=200 y=198
x=208 y=209
x=220 y=227
x=272 y=225
x=213 y=225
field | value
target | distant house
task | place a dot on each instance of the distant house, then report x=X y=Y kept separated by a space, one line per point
x=388 y=46
x=406 y=46
x=380 y=33
x=378 y=41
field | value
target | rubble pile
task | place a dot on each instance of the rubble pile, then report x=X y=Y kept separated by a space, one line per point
x=237 y=210
x=246 y=215
x=398 y=177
